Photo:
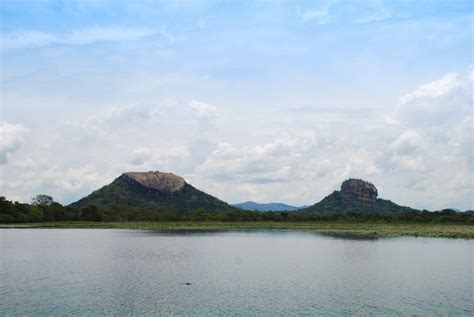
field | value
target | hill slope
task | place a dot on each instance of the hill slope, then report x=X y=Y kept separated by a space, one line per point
x=152 y=191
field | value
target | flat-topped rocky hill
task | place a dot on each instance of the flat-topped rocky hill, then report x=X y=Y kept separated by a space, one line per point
x=149 y=191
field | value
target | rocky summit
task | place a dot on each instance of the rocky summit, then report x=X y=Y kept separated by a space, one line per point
x=359 y=189
x=163 y=182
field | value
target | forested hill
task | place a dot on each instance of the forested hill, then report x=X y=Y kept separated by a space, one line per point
x=337 y=202
x=152 y=191
x=356 y=196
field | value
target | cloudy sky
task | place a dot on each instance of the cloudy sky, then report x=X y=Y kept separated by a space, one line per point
x=258 y=100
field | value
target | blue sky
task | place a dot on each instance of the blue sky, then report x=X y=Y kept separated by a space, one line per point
x=261 y=100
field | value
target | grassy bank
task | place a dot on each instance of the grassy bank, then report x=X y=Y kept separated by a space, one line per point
x=332 y=228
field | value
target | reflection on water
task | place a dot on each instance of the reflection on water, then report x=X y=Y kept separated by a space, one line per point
x=267 y=272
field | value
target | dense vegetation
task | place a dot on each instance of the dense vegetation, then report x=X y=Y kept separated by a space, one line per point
x=44 y=209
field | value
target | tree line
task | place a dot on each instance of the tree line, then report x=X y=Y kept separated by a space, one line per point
x=43 y=208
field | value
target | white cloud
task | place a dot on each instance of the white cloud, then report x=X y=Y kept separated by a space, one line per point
x=26 y=178
x=262 y=163
x=157 y=158
x=299 y=168
x=434 y=153
x=445 y=100
x=77 y=179
x=407 y=143
x=12 y=136
x=204 y=113
x=164 y=116
x=434 y=89
x=202 y=109
x=140 y=156
x=32 y=38
x=405 y=153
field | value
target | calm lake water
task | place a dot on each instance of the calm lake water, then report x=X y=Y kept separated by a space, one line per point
x=57 y=272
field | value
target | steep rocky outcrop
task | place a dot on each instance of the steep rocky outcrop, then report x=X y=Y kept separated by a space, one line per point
x=359 y=189
x=356 y=196
x=149 y=191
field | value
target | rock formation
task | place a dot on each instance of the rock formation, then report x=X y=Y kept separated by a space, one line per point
x=163 y=182
x=359 y=189
x=357 y=196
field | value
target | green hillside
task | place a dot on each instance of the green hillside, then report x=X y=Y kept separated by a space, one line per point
x=135 y=195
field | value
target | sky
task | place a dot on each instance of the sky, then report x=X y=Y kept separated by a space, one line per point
x=271 y=101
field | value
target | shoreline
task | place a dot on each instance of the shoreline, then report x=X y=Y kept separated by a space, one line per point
x=337 y=229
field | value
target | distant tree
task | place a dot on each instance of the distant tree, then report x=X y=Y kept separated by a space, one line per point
x=4 y=204
x=42 y=200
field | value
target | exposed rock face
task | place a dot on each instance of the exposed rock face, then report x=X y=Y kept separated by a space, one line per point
x=163 y=182
x=359 y=189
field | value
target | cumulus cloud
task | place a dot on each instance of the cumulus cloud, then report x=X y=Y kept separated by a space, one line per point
x=33 y=38
x=435 y=89
x=262 y=163
x=12 y=136
x=441 y=101
x=162 y=123
x=28 y=177
x=433 y=153
x=298 y=168
x=202 y=109
x=204 y=113
x=438 y=118
x=157 y=158
x=405 y=153
x=76 y=179
x=167 y=114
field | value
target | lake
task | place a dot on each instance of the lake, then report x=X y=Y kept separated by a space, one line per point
x=57 y=272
